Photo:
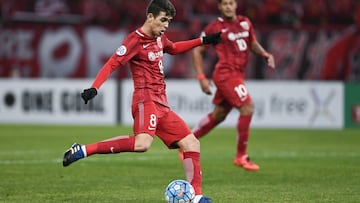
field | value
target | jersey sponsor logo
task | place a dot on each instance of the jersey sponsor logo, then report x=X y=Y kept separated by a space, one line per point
x=146 y=45
x=151 y=56
x=121 y=51
x=154 y=55
x=245 y=25
x=234 y=36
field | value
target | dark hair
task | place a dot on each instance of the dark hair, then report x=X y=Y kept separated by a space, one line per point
x=219 y=1
x=156 y=6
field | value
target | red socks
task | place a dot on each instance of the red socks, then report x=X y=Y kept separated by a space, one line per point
x=243 y=126
x=193 y=170
x=206 y=124
x=113 y=145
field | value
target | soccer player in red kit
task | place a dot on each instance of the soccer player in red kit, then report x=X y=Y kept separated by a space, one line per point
x=143 y=49
x=238 y=39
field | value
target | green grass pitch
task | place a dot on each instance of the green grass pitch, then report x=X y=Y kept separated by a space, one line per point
x=297 y=165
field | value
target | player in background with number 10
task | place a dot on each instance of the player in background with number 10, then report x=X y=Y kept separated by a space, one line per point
x=238 y=39
x=143 y=49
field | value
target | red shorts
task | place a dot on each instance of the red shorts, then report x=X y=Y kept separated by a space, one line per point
x=155 y=119
x=231 y=91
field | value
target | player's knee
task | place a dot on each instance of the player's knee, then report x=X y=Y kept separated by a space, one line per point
x=142 y=147
x=220 y=117
x=143 y=142
x=189 y=143
x=220 y=113
x=247 y=109
x=194 y=143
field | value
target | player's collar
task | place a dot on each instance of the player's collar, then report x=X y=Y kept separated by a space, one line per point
x=221 y=19
x=140 y=32
x=143 y=34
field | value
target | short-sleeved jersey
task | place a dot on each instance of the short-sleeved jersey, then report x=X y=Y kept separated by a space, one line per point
x=145 y=56
x=234 y=49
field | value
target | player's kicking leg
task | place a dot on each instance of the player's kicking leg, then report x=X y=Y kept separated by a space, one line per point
x=74 y=153
x=123 y=143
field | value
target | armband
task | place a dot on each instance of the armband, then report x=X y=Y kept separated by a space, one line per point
x=201 y=76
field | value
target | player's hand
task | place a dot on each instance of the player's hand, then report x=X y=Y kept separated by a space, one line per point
x=205 y=86
x=88 y=94
x=212 y=38
x=270 y=60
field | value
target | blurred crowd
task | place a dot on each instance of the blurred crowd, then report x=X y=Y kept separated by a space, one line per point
x=341 y=17
x=130 y=13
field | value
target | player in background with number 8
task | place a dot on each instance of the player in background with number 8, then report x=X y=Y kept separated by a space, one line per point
x=143 y=49
x=238 y=39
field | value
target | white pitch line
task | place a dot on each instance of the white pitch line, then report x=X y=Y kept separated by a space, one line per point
x=159 y=156
x=287 y=154
x=26 y=162
x=91 y=159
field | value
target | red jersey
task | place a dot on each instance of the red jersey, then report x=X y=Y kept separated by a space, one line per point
x=144 y=55
x=234 y=49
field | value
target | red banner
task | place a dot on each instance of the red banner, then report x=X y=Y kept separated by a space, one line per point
x=76 y=52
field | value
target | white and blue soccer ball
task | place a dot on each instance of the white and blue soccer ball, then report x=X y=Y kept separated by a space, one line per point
x=179 y=191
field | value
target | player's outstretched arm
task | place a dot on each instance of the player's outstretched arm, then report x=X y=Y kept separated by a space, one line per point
x=182 y=46
x=101 y=77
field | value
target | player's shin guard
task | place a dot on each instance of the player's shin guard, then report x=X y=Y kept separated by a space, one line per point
x=113 y=145
x=193 y=170
x=243 y=126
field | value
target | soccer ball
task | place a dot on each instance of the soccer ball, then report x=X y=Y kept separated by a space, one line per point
x=179 y=191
